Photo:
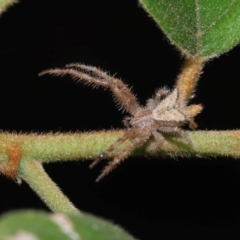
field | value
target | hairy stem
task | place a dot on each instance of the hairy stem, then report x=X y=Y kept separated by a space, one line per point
x=60 y=147
x=67 y=147
x=187 y=79
x=33 y=173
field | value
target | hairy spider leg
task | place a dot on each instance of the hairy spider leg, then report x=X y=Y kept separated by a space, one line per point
x=160 y=93
x=123 y=154
x=122 y=93
x=97 y=72
x=180 y=132
x=157 y=142
x=76 y=75
x=153 y=102
x=109 y=150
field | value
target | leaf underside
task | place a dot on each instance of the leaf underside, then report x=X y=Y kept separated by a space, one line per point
x=204 y=28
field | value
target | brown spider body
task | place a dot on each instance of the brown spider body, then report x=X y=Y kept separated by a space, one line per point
x=165 y=113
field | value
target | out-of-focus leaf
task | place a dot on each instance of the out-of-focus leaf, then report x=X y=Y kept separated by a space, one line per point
x=4 y=4
x=37 y=225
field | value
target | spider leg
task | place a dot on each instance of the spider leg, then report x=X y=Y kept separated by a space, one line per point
x=192 y=124
x=76 y=75
x=159 y=140
x=95 y=76
x=129 y=134
x=126 y=122
x=90 y=69
x=153 y=102
x=180 y=132
x=122 y=93
x=185 y=136
x=122 y=155
x=160 y=93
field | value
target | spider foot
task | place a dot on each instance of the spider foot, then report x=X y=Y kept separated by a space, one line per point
x=97 y=160
x=103 y=174
x=106 y=170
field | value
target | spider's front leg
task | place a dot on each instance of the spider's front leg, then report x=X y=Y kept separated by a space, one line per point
x=136 y=137
x=128 y=135
x=153 y=102
x=95 y=76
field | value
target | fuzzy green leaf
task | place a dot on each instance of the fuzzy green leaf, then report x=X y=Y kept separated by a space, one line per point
x=204 y=28
x=38 y=225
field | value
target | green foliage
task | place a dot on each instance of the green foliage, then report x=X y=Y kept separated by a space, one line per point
x=44 y=226
x=203 y=28
x=4 y=4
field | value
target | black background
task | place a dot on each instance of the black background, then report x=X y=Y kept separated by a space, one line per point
x=150 y=198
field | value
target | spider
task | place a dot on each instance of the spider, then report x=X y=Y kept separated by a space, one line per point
x=166 y=112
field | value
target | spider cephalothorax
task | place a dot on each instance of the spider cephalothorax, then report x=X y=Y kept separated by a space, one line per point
x=165 y=113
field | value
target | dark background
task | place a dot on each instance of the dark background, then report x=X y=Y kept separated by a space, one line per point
x=150 y=198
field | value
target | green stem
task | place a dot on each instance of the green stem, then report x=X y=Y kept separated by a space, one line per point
x=33 y=173
x=18 y=149
x=59 y=146
x=75 y=146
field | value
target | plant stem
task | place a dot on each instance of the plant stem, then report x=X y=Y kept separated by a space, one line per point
x=59 y=146
x=62 y=147
x=33 y=173
x=187 y=79
x=69 y=147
